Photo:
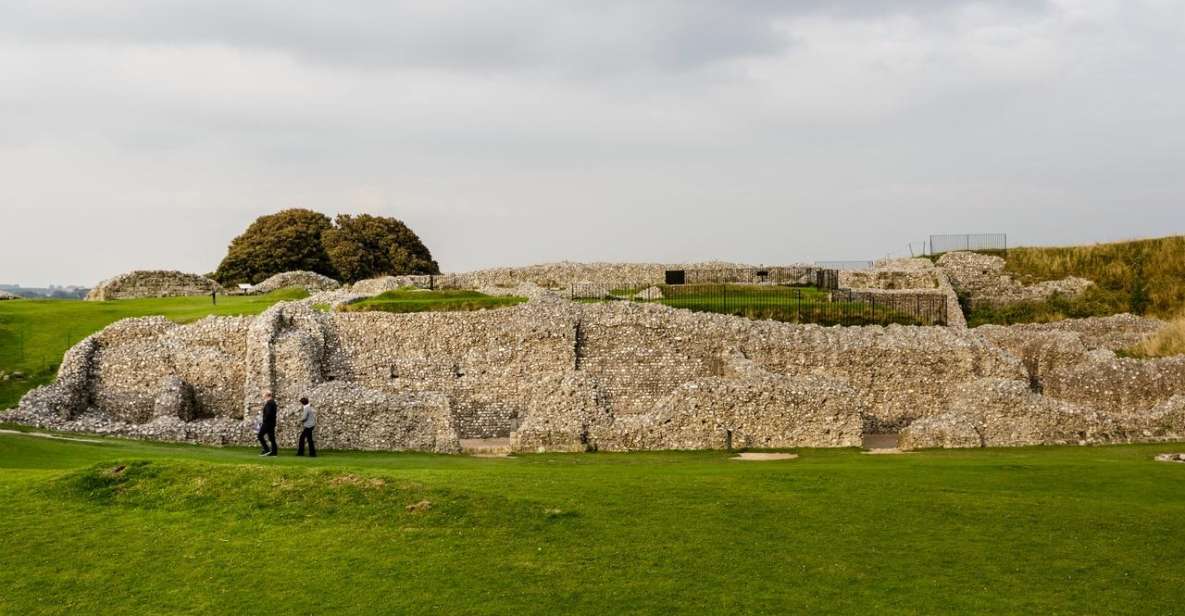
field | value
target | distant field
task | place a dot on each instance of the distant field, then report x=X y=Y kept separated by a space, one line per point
x=418 y=300
x=35 y=333
x=120 y=527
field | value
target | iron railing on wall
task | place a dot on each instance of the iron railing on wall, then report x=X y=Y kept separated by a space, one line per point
x=968 y=241
x=793 y=304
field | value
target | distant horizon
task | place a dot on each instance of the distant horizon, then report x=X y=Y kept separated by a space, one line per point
x=444 y=270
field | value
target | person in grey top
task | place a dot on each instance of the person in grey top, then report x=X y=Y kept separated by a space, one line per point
x=308 y=421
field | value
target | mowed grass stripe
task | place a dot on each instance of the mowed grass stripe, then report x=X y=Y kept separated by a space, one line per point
x=195 y=529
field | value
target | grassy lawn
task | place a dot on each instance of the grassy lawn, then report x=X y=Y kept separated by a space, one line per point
x=184 y=529
x=419 y=300
x=34 y=334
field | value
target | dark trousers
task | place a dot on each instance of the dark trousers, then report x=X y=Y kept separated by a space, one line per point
x=270 y=433
x=306 y=435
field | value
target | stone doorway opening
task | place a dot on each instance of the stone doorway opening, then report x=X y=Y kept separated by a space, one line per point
x=874 y=441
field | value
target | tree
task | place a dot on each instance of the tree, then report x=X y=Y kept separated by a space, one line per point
x=282 y=242
x=366 y=246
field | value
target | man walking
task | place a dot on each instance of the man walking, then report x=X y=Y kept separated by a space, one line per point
x=308 y=421
x=267 y=425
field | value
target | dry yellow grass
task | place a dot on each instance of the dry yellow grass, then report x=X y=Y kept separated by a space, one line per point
x=1147 y=275
x=1170 y=340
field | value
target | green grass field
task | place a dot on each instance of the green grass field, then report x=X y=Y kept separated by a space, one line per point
x=34 y=334
x=120 y=527
x=419 y=300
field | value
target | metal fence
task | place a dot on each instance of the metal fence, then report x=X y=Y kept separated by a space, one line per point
x=968 y=241
x=792 y=304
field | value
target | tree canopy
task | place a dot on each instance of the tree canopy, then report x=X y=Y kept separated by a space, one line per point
x=354 y=248
x=282 y=242
x=366 y=246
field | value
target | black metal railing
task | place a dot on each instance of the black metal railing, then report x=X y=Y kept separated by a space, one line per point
x=792 y=304
x=968 y=241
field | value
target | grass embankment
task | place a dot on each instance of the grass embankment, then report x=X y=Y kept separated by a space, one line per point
x=420 y=300
x=35 y=333
x=181 y=529
x=1141 y=277
x=759 y=302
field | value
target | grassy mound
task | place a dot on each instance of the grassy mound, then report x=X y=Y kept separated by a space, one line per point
x=125 y=527
x=34 y=334
x=283 y=494
x=1140 y=276
x=420 y=300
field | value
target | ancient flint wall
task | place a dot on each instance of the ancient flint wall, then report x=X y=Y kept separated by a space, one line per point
x=157 y=283
x=309 y=281
x=641 y=353
x=558 y=375
x=486 y=362
x=982 y=279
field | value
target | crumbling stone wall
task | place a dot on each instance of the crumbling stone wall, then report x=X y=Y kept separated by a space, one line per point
x=561 y=376
x=982 y=279
x=894 y=282
x=1005 y=413
x=892 y=274
x=564 y=275
x=1121 y=386
x=156 y=283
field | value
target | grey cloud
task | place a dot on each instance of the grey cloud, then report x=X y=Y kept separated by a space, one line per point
x=553 y=35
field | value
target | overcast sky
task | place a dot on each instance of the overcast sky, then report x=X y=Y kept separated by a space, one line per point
x=147 y=134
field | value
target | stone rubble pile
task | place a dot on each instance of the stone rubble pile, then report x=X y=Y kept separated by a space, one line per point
x=982 y=279
x=309 y=281
x=155 y=283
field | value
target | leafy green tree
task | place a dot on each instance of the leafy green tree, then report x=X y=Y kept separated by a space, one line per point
x=282 y=242
x=366 y=246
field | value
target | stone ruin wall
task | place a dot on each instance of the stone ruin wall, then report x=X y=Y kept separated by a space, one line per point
x=155 y=283
x=309 y=281
x=982 y=279
x=569 y=377
x=563 y=275
x=895 y=282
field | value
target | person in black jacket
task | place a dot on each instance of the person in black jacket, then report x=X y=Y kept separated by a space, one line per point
x=267 y=426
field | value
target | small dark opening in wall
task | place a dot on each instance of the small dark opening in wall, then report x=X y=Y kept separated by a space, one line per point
x=676 y=276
